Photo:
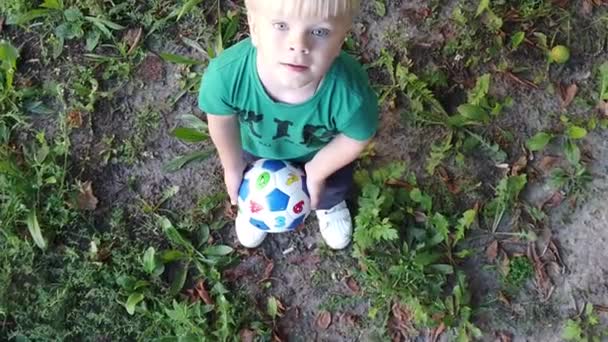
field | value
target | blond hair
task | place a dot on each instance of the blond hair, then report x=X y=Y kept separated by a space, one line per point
x=306 y=8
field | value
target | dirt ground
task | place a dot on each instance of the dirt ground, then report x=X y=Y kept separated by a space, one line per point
x=309 y=278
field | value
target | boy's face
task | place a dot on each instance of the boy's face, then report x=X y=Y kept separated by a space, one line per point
x=297 y=51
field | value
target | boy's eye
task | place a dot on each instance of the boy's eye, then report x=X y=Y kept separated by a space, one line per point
x=280 y=26
x=320 y=32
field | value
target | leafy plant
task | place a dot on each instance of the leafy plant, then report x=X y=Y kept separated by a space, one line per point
x=71 y=23
x=507 y=193
x=585 y=328
x=519 y=271
x=194 y=131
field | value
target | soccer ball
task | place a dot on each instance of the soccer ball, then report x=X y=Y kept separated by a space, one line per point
x=273 y=196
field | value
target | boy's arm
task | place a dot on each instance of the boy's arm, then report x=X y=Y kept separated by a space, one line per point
x=224 y=132
x=341 y=151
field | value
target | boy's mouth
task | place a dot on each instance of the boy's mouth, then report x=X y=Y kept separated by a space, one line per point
x=295 y=67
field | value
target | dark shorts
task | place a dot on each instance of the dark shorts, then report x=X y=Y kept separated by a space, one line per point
x=336 y=187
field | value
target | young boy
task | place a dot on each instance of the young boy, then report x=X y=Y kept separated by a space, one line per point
x=289 y=93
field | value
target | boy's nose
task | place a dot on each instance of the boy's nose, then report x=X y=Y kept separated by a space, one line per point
x=298 y=44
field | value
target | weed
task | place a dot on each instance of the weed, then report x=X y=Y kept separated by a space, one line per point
x=519 y=271
x=586 y=327
x=507 y=193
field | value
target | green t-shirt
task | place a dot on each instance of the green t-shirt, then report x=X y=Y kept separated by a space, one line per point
x=344 y=103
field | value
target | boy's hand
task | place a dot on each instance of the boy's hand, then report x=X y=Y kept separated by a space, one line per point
x=315 y=184
x=233 y=178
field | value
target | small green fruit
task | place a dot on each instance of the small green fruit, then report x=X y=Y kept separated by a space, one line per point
x=559 y=54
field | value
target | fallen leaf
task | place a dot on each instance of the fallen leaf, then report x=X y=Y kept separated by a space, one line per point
x=132 y=38
x=400 y=184
x=567 y=93
x=247 y=335
x=85 y=199
x=548 y=163
x=420 y=217
x=268 y=271
x=504 y=299
x=602 y=107
x=400 y=323
x=554 y=201
x=492 y=251
x=542 y=281
x=276 y=337
x=74 y=119
x=503 y=337
x=602 y=308
x=353 y=285
x=519 y=165
x=449 y=181
x=348 y=319
x=503 y=262
x=201 y=293
x=323 y=320
x=437 y=332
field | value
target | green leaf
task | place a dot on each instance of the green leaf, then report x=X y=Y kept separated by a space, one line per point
x=572 y=331
x=73 y=14
x=427 y=258
x=34 y=229
x=172 y=255
x=219 y=250
x=189 y=134
x=180 y=279
x=380 y=8
x=480 y=91
x=8 y=56
x=92 y=40
x=483 y=5
x=132 y=301
x=573 y=153
x=52 y=4
x=464 y=223
x=539 y=141
x=272 y=307
x=443 y=268
x=517 y=39
x=177 y=59
x=173 y=235
x=193 y=121
x=31 y=15
x=187 y=7
x=576 y=132
x=603 y=80
x=474 y=113
x=180 y=162
x=150 y=260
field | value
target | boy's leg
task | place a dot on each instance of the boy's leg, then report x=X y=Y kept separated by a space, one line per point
x=334 y=218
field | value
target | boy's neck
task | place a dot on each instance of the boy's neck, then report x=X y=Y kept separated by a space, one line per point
x=281 y=94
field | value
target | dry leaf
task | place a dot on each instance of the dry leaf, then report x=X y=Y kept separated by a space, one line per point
x=543 y=284
x=503 y=337
x=200 y=293
x=437 y=332
x=132 y=38
x=348 y=319
x=323 y=320
x=492 y=251
x=353 y=285
x=247 y=335
x=268 y=271
x=420 y=217
x=74 y=119
x=449 y=181
x=548 y=163
x=554 y=201
x=85 y=199
x=400 y=184
x=400 y=322
x=230 y=210
x=276 y=337
x=602 y=107
x=567 y=93
x=519 y=165
x=504 y=299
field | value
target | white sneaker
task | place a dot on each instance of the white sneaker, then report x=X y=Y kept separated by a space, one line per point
x=249 y=236
x=335 y=225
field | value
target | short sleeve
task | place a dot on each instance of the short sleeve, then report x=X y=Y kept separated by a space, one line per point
x=213 y=94
x=361 y=124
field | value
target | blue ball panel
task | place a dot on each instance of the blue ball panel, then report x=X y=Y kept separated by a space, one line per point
x=298 y=221
x=273 y=165
x=244 y=189
x=259 y=224
x=277 y=200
